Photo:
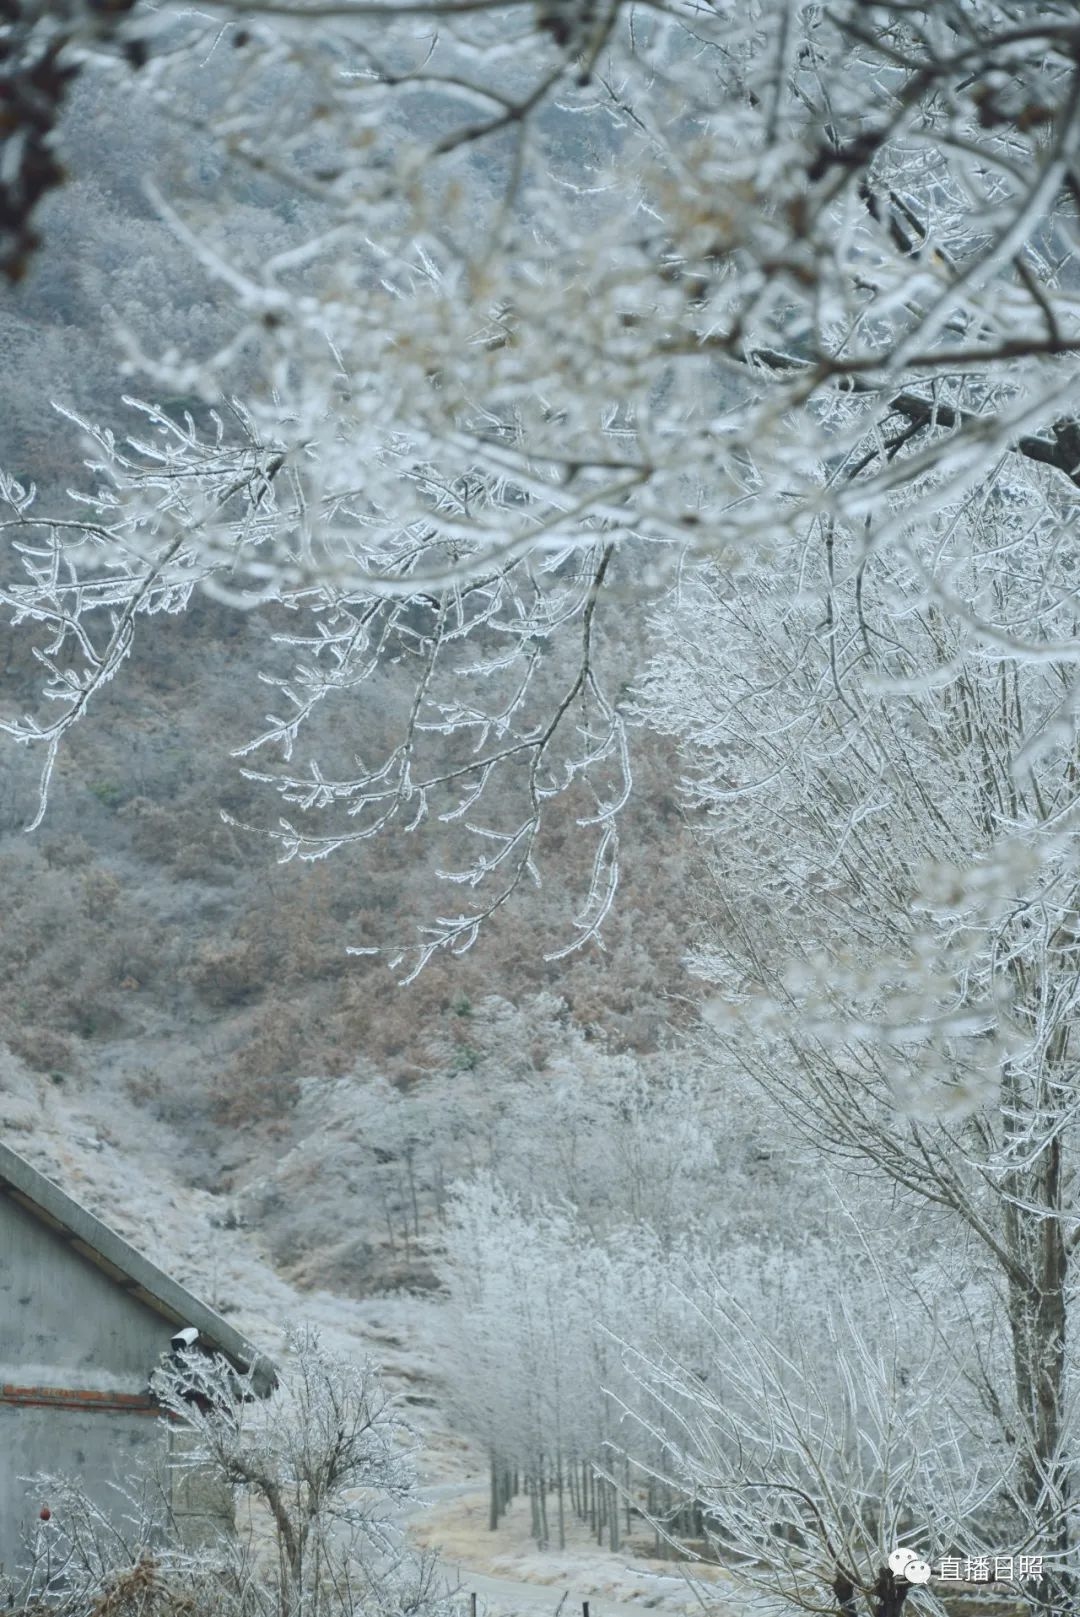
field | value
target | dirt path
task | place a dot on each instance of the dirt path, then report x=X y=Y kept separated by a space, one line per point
x=513 y=1597
x=504 y=1597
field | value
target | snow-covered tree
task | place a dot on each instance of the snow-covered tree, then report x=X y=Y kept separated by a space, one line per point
x=797 y=1401
x=815 y=1442
x=887 y=794
x=519 y=1327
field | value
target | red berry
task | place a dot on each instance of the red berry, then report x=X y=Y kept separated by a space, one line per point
x=45 y=1513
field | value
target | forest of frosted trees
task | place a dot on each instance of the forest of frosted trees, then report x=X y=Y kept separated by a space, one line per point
x=639 y=438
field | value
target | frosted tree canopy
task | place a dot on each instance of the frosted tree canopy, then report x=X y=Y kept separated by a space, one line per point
x=560 y=300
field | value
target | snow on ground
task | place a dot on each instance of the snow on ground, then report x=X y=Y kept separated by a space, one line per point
x=612 y=1582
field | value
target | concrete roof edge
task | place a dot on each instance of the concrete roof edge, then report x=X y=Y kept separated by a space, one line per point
x=172 y=1300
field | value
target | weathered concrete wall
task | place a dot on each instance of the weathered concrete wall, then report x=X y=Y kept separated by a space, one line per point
x=96 y=1448
x=66 y=1325
x=63 y=1321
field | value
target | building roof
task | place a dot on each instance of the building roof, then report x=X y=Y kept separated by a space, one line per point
x=127 y=1268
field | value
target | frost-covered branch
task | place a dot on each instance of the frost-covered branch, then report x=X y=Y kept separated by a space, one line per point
x=561 y=282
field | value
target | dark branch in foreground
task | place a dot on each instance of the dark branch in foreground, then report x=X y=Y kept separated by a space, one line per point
x=36 y=75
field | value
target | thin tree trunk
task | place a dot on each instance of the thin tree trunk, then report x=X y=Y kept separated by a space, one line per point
x=650 y=1507
x=388 y=1215
x=1037 y=1305
x=545 y=1534
x=404 y=1222
x=410 y=1168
